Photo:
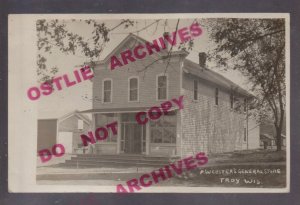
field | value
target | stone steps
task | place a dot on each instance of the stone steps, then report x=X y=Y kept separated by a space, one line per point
x=88 y=160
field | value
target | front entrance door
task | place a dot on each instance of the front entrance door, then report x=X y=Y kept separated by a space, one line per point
x=133 y=136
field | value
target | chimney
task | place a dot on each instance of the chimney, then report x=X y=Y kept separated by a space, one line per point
x=202 y=59
x=166 y=33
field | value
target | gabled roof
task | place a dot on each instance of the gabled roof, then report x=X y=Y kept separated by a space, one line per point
x=271 y=137
x=77 y=114
x=138 y=40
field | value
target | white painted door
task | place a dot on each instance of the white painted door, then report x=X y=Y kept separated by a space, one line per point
x=66 y=139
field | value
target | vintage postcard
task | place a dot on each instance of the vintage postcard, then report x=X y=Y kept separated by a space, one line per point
x=134 y=103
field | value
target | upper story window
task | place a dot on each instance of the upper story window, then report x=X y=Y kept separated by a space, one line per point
x=133 y=89
x=217 y=96
x=231 y=100
x=107 y=90
x=161 y=87
x=195 y=89
x=245 y=105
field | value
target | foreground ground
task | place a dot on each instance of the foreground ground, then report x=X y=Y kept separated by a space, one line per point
x=249 y=156
x=256 y=168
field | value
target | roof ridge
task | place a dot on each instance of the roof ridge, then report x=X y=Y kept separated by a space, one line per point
x=142 y=40
x=218 y=77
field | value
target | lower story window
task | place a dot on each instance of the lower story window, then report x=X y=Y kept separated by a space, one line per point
x=104 y=119
x=164 y=129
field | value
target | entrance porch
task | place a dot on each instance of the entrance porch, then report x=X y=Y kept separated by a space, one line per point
x=156 y=138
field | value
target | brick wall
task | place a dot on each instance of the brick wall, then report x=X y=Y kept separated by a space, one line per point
x=208 y=127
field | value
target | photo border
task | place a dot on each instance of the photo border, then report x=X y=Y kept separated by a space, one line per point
x=81 y=6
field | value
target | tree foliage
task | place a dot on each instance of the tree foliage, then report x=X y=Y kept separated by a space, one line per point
x=54 y=34
x=255 y=47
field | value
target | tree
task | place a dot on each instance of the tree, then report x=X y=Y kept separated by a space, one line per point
x=57 y=36
x=54 y=34
x=256 y=48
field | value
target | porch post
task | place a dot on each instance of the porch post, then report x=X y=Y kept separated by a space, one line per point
x=93 y=147
x=147 y=138
x=179 y=134
x=119 y=134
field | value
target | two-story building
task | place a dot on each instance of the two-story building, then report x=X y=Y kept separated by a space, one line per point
x=210 y=121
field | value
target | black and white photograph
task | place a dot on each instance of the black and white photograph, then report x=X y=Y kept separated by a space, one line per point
x=138 y=103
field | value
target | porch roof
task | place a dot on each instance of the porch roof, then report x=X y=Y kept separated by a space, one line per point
x=121 y=110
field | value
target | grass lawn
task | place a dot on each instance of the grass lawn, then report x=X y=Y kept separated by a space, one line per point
x=258 y=176
x=247 y=168
x=266 y=176
x=248 y=156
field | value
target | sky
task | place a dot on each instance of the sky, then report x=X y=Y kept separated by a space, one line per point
x=78 y=97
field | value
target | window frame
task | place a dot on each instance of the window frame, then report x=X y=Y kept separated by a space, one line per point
x=80 y=123
x=111 y=90
x=138 y=89
x=245 y=105
x=216 y=96
x=110 y=134
x=231 y=98
x=163 y=131
x=195 y=91
x=167 y=86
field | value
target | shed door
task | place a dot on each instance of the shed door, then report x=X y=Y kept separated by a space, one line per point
x=66 y=139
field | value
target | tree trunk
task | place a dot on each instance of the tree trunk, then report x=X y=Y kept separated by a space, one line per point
x=278 y=138
x=279 y=129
